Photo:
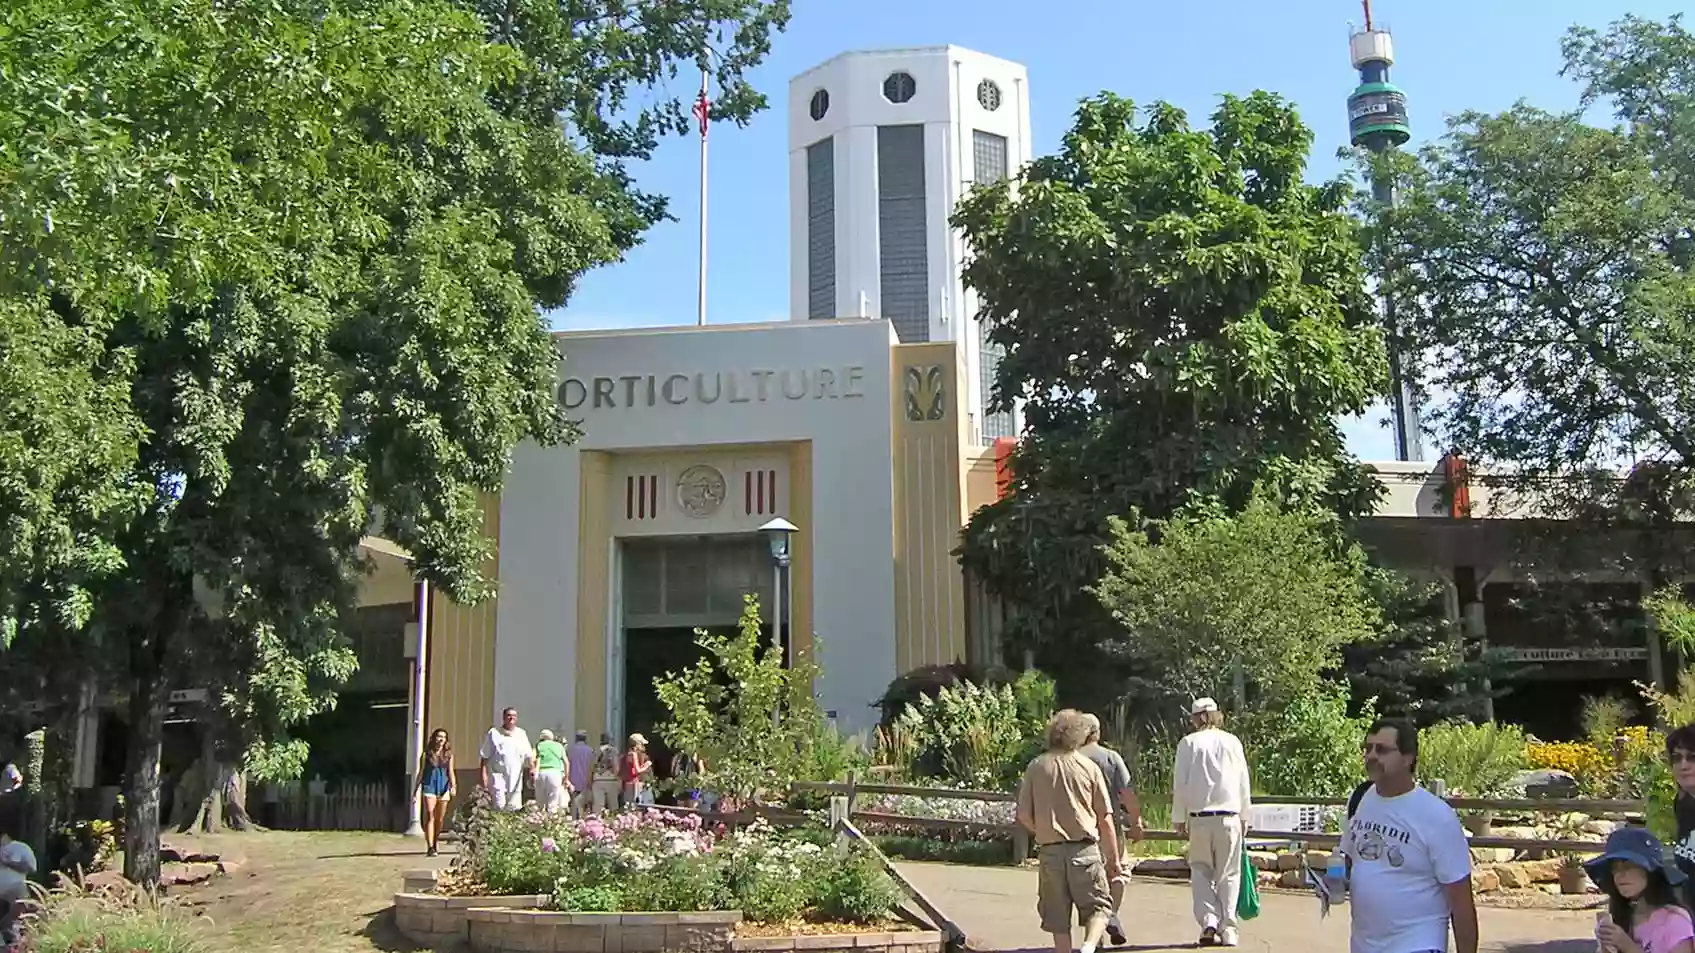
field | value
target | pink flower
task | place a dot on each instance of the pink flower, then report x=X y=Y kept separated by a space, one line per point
x=548 y=846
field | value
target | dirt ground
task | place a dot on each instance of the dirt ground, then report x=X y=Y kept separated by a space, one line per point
x=328 y=892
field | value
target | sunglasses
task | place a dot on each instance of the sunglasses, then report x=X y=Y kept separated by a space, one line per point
x=1680 y=756
x=1379 y=750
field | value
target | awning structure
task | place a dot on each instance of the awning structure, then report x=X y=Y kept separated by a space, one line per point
x=384 y=547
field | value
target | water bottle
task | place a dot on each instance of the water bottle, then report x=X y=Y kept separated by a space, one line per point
x=1336 y=877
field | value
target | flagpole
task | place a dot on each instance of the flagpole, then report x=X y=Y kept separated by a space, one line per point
x=703 y=108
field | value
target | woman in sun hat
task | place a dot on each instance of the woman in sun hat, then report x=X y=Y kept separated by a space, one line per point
x=635 y=770
x=1644 y=911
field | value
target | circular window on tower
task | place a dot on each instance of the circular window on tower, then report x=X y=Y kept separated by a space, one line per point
x=899 y=87
x=989 y=95
x=819 y=106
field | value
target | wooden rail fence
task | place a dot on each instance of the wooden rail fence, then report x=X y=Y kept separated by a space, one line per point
x=1020 y=838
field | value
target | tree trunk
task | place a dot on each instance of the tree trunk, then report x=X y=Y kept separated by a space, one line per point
x=149 y=699
x=235 y=797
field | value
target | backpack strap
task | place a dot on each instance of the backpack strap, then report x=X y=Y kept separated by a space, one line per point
x=1355 y=798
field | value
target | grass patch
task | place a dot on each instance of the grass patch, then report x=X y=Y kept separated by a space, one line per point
x=73 y=920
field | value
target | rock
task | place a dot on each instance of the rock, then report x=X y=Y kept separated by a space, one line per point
x=1511 y=876
x=1263 y=859
x=1548 y=782
x=1541 y=871
x=1293 y=879
x=185 y=874
x=106 y=880
x=1288 y=862
x=171 y=855
x=1518 y=833
x=228 y=867
x=1491 y=855
x=1485 y=881
x=1601 y=828
x=1317 y=859
x=1163 y=866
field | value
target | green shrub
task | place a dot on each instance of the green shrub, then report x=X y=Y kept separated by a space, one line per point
x=1309 y=747
x=1474 y=760
x=602 y=898
x=969 y=736
x=856 y=889
x=682 y=883
x=73 y=920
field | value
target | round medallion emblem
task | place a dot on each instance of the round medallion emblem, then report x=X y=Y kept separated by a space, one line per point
x=700 y=491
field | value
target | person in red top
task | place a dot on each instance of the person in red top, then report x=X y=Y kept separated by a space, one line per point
x=635 y=770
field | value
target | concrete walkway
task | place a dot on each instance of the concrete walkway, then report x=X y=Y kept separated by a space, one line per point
x=996 y=907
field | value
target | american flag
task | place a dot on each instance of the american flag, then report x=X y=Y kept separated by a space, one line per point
x=702 y=111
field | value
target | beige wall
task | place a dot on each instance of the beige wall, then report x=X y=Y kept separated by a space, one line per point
x=930 y=500
x=594 y=581
x=461 y=659
x=800 y=548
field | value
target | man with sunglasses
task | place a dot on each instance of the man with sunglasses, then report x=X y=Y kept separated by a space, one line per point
x=1409 y=863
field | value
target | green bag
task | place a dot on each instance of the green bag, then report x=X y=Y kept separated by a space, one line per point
x=1247 y=899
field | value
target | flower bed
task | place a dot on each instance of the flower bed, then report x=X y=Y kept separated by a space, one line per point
x=649 y=880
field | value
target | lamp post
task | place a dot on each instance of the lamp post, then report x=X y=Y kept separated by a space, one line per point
x=778 y=533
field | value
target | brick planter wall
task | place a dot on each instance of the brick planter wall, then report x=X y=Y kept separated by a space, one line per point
x=429 y=920
x=529 y=931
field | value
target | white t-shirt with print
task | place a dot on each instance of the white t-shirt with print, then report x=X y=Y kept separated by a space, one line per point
x=1403 y=850
x=506 y=753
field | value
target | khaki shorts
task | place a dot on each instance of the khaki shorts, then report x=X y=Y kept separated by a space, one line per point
x=1071 y=877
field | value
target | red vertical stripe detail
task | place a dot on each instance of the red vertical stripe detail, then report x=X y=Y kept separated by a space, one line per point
x=759 y=492
x=1004 y=447
x=772 y=475
x=629 y=497
x=747 y=492
x=653 y=496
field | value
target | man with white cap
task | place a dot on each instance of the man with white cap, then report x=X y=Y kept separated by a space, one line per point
x=1209 y=802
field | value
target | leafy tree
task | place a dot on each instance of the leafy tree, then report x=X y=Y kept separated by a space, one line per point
x=1184 y=319
x=1421 y=666
x=1544 y=271
x=739 y=709
x=1309 y=747
x=289 y=260
x=1257 y=605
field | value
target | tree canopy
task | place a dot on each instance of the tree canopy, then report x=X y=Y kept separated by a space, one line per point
x=1257 y=606
x=1543 y=270
x=1185 y=319
x=271 y=272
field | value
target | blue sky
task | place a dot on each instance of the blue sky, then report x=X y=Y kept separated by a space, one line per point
x=1453 y=55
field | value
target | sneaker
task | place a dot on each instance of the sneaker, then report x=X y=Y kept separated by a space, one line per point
x=1209 y=937
x=1115 y=934
x=1229 y=937
x=430 y=853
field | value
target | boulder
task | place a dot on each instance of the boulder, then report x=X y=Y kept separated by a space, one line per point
x=1163 y=866
x=1548 y=782
x=1485 y=881
x=1263 y=859
x=1542 y=871
x=1600 y=829
x=1293 y=879
x=1511 y=876
x=1318 y=859
x=1491 y=855
x=106 y=880
x=1288 y=862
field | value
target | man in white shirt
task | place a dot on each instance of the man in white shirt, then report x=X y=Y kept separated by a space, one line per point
x=1410 y=865
x=507 y=756
x=1210 y=796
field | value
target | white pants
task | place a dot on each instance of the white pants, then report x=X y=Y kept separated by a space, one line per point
x=1215 y=869
x=605 y=794
x=507 y=790
x=550 y=790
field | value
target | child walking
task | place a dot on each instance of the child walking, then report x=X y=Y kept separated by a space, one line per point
x=1644 y=913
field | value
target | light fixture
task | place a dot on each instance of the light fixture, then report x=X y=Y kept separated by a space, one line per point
x=778 y=532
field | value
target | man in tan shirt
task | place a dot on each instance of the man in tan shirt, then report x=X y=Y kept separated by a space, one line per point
x=1064 y=802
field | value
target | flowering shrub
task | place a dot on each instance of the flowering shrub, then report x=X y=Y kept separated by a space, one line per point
x=650 y=860
x=1576 y=758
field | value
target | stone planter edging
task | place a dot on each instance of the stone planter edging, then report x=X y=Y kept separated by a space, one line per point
x=906 y=941
x=437 y=921
x=525 y=931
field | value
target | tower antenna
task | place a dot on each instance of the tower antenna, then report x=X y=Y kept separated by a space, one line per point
x=1377 y=120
